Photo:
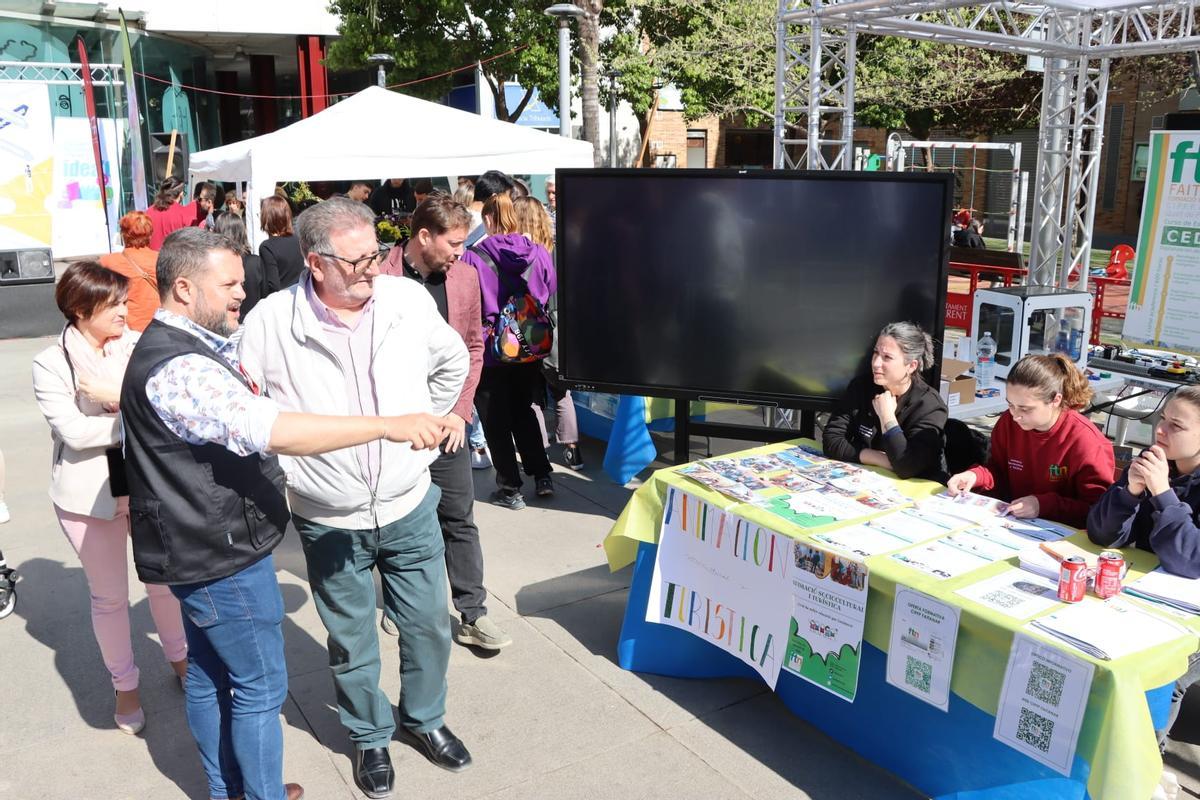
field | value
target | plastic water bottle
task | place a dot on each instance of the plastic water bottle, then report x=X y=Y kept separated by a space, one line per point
x=985 y=360
x=1050 y=333
x=1074 y=321
x=1062 y=343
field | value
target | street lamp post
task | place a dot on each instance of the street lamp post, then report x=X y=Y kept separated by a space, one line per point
x=563 y=12
x=382 y=60
x=612 y=76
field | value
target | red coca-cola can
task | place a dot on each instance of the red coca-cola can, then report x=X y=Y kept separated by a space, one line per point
x=1072 y=580
x=1108 y=574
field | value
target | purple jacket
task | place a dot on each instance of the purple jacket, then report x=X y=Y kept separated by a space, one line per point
x=513 y=254
x=1165 y=524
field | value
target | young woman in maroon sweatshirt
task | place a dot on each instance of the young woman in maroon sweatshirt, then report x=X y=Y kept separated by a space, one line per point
x=1049 y=460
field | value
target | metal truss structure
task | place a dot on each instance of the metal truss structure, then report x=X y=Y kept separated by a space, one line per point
x=897 y=162
x=53 y=74
x=814 y=88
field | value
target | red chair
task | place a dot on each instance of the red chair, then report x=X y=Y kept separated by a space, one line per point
x=1117 y=259
x=1121 y=255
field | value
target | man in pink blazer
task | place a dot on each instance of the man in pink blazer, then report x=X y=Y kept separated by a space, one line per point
x=431 y=257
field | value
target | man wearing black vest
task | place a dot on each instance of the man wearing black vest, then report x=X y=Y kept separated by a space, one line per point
x=207 y=505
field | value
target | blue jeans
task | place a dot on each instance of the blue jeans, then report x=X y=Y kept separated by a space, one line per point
x=237 y=680
x=476 y=437
x=1183 y=683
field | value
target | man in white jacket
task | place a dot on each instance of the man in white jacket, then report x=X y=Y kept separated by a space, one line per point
x=347 y=340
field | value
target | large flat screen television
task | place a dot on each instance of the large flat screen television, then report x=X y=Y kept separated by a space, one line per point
x=757 y=286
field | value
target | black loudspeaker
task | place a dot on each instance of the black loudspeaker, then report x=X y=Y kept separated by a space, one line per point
x=28 y=310
x=26 y=266
x=160 y=151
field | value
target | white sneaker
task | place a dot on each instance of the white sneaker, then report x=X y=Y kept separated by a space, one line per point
x=1168 y=786
x=4 y=515
x=479 y=458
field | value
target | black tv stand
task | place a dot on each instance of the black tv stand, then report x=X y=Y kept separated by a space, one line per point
x=685 y=429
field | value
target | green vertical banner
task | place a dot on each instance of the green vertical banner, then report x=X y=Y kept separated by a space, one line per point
x=1165 y=285
x=136 y=158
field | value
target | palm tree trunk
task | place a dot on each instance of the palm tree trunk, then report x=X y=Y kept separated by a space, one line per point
x=589 y=74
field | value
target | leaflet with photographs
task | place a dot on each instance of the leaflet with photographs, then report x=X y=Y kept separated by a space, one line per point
x=799 y=485
x=829 y=611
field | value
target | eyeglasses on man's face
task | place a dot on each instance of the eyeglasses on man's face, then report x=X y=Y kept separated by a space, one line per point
x=360 y=265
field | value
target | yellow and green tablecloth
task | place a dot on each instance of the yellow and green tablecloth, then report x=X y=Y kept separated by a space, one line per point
x=1117 y=738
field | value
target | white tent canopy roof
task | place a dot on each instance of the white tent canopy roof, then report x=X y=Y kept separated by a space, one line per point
x=379 y=134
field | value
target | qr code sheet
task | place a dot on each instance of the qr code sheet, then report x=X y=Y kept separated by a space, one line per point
x=1046 y=684
x=918 y=674
x=1001 y=599
x=1035 y=730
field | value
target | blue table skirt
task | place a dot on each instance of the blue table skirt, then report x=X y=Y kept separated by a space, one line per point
x=630 y=448
x=946 y=755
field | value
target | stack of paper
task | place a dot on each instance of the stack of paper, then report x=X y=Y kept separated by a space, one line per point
x=1039 y=563
x=1108 y=629
x=1046 y=560
x=1170 y=590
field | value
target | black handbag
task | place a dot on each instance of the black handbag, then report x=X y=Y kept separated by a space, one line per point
x=118 y=483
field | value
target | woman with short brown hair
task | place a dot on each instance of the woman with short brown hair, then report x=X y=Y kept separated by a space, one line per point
x=281 y=252
x=77 y=385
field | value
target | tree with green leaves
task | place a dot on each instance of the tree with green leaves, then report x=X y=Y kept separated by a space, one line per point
x=721 y=56
x=512 y=40
x=719 y=53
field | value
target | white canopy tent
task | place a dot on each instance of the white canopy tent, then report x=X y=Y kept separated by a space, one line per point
x=377 y=134
x=815 y=71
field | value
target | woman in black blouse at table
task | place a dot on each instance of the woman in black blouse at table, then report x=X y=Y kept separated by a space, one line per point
x=891 y=418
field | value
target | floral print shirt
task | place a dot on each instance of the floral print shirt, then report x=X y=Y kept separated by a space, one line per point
x=202 y=402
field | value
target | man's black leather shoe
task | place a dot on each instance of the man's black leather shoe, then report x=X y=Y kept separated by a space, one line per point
x=373 y=772
x=442 y=748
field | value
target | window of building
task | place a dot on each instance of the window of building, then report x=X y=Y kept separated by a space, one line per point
x=697 y=149
x=749 y=148
x=1112 y=157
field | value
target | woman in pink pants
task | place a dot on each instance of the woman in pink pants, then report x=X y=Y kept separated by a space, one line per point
x=77 y=383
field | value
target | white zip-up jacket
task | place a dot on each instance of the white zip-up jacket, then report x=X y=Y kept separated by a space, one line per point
x=418 y=364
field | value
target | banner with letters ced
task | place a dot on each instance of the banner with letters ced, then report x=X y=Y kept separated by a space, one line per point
x=1165 y=284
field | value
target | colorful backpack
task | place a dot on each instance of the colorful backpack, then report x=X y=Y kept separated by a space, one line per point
x=523 y=330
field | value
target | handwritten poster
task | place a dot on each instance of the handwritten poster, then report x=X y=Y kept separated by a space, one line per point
x=724 y=579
